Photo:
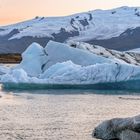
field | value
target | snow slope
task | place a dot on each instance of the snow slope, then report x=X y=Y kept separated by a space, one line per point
x=135 y=50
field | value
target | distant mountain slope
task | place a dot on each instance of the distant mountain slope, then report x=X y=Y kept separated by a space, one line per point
x=137 y=50
x=117 y=29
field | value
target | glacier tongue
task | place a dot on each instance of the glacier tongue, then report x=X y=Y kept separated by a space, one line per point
x=59 y=63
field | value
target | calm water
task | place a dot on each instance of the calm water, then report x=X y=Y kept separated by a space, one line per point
x=62 y=114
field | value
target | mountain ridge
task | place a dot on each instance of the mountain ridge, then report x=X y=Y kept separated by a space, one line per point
x=111 y=29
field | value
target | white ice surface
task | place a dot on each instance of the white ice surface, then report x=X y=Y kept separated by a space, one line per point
x=33 y=59
x=59 y=52
x=70 y=73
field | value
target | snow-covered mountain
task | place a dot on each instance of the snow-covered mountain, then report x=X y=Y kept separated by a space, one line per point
x=117 y=29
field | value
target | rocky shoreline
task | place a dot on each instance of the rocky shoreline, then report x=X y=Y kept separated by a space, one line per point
x=10 y=58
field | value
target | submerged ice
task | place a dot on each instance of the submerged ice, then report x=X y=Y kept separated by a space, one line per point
x=59 y=63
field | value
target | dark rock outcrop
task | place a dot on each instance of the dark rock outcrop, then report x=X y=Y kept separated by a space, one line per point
x=19 y=45
x=119 y=129
x=126 y=41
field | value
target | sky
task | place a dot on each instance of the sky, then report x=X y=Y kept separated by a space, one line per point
x=12 y=11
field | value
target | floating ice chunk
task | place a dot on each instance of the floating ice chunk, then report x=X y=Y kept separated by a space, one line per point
x=4 y=70
x=70 y=73
x=60 y=52
x=15 y=76
x=33 y=59
x=60 y=69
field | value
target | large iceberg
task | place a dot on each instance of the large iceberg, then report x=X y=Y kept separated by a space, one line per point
x=62 y=64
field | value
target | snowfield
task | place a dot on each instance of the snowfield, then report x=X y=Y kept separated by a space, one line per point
x=60 y=63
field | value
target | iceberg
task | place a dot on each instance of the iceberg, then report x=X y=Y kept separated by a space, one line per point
x=61 y=64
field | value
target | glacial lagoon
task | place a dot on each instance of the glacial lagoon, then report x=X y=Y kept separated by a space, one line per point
x=62 y=114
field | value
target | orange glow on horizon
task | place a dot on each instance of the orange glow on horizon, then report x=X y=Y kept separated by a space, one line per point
x=12 y=11
x=6 y=21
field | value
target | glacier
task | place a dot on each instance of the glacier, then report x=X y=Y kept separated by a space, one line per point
x=70 y=65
